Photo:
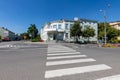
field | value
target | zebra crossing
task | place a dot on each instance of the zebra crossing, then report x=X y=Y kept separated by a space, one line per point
x=114 y=77
x=59 y=55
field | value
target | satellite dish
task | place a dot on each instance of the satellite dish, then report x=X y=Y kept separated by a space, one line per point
x=75 y=18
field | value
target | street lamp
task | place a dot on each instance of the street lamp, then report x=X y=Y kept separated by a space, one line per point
x=104 y=14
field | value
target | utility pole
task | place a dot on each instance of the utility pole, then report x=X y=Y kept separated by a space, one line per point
x=104 y=13
x=105 y=27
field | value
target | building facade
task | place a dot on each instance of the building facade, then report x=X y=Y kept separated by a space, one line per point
x=115 y=25
x=60 y=30
x=6 y=34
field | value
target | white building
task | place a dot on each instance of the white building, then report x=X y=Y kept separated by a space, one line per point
x=60 y=30
x=6 y=34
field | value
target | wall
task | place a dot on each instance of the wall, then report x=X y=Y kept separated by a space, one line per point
x=66 y=32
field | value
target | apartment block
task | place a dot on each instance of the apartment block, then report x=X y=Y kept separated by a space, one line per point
x=60 y=29
x=6 y=34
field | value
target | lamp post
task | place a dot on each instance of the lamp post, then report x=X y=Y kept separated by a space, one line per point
x=104 y=14
x=105 y=26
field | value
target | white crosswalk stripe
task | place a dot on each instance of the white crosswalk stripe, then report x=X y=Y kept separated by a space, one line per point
x=76 y=70
x=56 y=52
x=51 y=63
x=115 y=77
x=59 y=54
x=71 y=56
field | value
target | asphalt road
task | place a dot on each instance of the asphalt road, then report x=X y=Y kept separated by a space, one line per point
x=22 y=63
x=62 y=61
x=108 y=56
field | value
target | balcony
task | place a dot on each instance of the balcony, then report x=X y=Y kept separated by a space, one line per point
x=50 y=29
x=54 y=30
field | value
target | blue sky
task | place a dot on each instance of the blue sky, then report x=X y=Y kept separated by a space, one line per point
x=17 y=15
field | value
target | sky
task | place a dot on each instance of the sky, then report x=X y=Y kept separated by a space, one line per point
x=17 y=15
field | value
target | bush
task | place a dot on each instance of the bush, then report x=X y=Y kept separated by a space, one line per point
x=37 y=39
x=41 y=40
x=118 y=41
x=115 y=40
x=0 y=37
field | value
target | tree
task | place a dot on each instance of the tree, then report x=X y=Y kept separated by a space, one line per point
x=111 y=33
x=101 y=29
x=88 y=32
x=0 y=38
x=33 y=31
x=24 y=36
x=75 y=30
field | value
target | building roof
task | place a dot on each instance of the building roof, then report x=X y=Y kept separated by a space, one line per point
x=63 y=20
x=114 y=21
x=7 y=30
x=66 y=20
x=87 y=20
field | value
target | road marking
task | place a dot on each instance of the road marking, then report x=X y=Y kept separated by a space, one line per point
x=52 y=51
x=61 y=57
x=76 y=70
x=59 y=48
x=51 y=63
x=115 y=77
x=58 y=54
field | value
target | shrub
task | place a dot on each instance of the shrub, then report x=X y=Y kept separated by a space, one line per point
x=118 y=41
x=37 y=39
x=0 y=37
x=41 y=40
x=114 y=40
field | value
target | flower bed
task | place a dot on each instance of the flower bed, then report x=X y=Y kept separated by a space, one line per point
x=41 y=40
x=111 y=45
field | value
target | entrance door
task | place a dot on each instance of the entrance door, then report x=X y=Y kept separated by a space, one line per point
x=60 y=36
x=54 y=36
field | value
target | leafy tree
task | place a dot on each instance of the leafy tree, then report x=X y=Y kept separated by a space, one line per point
x=33 y=31
x=111 y=33
x=25 y=36
x=0 y=38
x=118 y=32
x=88 y=32
x=101 y=29
x=75 y=30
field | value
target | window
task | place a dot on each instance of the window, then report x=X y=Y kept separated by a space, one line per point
x=66 y=35
x=118 y=25
x=71 y=25
x=59 y=26
x=85 y=26
x=54 y=26
x=66 y=26
x=50 y=26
